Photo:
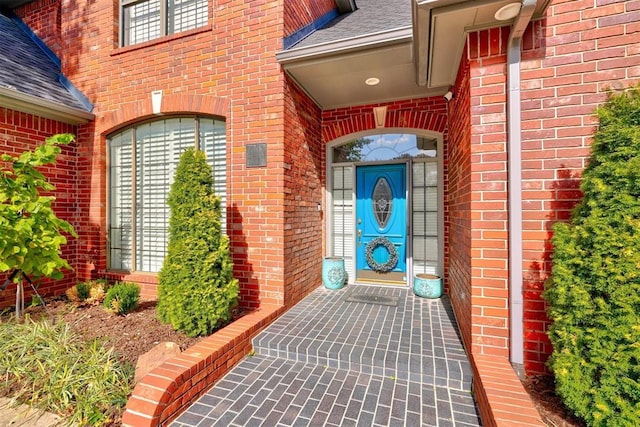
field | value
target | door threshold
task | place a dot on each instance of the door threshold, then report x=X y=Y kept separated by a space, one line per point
x=370 y=282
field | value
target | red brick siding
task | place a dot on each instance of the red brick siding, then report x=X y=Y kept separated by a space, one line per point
x=299 y=13
x=44 y=18
x=489 y=266
x=229 y=62
x=572 y=57
x=304 y=168
x=423 y=113
x=20 y=132
x=457 y=170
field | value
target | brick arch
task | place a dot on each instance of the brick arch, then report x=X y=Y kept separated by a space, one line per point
x=424 y=113
x=135 y=111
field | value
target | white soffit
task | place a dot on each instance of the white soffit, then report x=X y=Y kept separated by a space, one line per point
x=339 y=80
x=448 y=29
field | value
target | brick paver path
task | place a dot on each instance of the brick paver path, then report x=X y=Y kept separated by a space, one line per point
x=331 y=360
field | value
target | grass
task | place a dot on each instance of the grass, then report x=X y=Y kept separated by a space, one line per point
x=44 y=364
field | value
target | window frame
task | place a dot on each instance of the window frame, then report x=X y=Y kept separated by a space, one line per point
x=164 y=21
x=109 y=217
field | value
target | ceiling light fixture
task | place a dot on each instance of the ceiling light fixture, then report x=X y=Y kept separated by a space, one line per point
x=372 y=81
x=508 y=11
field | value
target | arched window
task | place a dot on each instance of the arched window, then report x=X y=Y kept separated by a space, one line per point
x=142 y=163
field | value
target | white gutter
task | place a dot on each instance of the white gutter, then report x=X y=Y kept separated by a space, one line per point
x=14 y=100
x=516 y=308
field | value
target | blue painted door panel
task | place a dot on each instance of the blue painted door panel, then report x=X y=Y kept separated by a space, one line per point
x=392 y=226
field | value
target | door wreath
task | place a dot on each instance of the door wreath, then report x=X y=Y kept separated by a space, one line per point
x=389 y=246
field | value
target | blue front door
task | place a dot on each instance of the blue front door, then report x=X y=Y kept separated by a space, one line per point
x=381 y=223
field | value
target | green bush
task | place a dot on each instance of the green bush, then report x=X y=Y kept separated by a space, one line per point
x=196 y=290
x=594 y=290
x=45 y=365
x=83 y=290
x=122 y=297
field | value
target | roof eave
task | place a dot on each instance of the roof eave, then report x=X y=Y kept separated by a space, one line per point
x=383 y=38
x=18 y=101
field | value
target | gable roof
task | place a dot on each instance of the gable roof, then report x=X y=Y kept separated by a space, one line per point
x=30 y=77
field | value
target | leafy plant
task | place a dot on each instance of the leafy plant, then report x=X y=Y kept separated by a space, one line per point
x=91 y=292
x=196 y=291
x=45 y=365
x=594 y=290
x=31 y=234
x=122 y=297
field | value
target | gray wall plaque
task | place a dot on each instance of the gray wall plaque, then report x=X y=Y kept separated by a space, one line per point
x=257 y=155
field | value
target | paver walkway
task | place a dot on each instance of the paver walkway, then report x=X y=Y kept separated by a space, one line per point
x=363 y=355
x=25 y=416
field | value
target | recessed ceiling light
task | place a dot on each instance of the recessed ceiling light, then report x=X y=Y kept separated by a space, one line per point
x=372 y=81
x=508 y=11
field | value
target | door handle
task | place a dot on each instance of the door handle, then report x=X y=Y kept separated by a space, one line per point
x=359 y=234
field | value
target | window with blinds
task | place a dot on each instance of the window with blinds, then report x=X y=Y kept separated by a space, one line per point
x=342 y=213
x=144 y=20
x=425 y=217
x=142 y=163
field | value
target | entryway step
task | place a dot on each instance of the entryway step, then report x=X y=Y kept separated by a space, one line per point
x=263 y=390
x=372 y=330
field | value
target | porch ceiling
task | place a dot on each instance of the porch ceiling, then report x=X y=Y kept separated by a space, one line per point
x=418 y=58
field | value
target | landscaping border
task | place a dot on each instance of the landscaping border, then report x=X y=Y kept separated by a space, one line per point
x=172 y=387
x=502 y=399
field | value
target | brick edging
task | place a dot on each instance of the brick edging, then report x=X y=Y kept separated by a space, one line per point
x=502 y=399
x=169 y=389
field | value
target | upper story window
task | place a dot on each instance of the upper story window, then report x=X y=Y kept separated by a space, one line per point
x=144 y=20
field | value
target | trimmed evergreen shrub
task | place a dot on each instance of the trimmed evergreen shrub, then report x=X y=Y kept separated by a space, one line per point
x=122 y=297
x=196 y=290
x=594 y=290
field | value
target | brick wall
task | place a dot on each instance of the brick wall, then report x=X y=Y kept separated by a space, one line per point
x=423 y=113
x=457 y=170
x=572 y=56
x=227 y=69
x=489 y=266
x=20 y=132
x=304 y=188
x=302 y=12
x=44 y=19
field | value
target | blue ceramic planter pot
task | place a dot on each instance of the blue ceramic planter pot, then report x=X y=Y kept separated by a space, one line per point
x=427 y=286
x=333 y=272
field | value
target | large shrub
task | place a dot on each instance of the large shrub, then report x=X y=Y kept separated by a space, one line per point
x=594 y=290
x=196 y=291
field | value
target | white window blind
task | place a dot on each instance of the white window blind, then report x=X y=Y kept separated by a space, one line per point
x=140 y=226
x=120 y=195
x=343 y=227
x=425 y=217
x=144 y=20
x=186 y=14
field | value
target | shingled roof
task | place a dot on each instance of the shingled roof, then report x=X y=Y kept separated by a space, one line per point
x=29 y=72
x=371 y=16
